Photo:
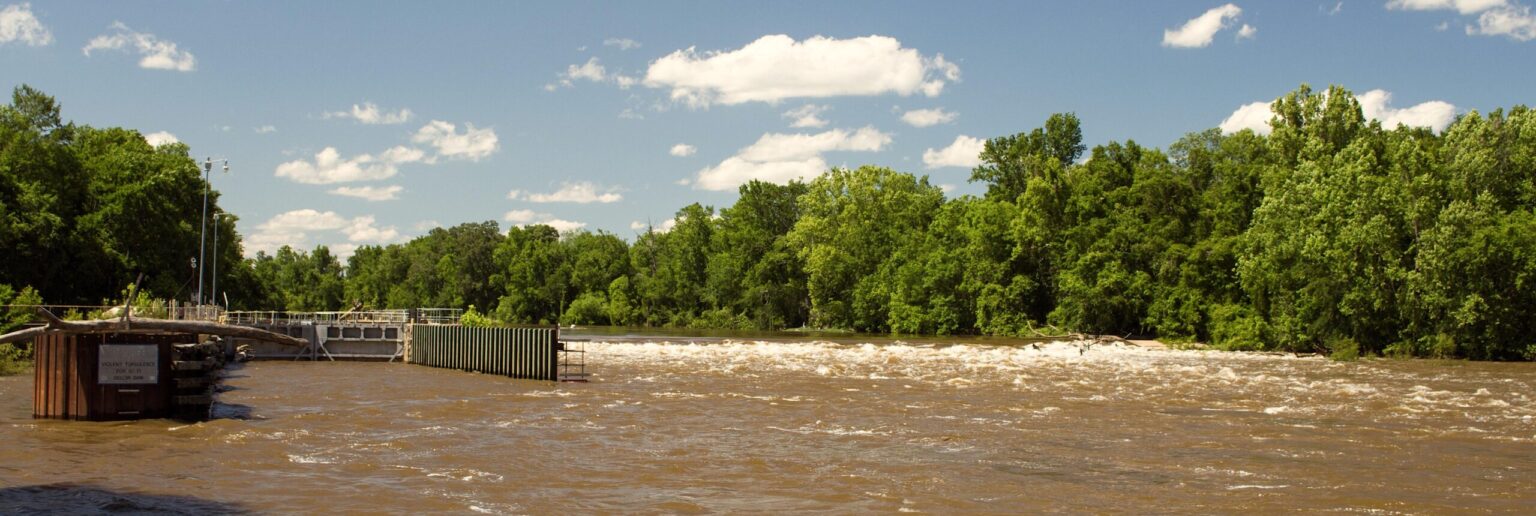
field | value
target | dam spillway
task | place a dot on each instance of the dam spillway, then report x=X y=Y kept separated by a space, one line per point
x=424 y=336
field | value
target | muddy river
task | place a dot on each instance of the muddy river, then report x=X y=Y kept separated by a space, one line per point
x=745 y=426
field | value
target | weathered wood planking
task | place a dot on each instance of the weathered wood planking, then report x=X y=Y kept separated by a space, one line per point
x=66 y=378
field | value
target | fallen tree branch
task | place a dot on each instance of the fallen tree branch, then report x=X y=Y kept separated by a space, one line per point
x=133 y=294
x=23 y=335
x=122 y=325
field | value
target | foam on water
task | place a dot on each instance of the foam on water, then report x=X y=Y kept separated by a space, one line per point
x=1268 y=384
x=814 y=427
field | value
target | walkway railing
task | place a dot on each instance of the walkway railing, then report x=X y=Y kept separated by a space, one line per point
x=282 y=317
x=417 y=316
x=156 y=310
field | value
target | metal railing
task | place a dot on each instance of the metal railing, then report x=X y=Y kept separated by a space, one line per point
x=196 y=312
x=438 y=315
x=281 y=317
x=397 y=316
x=156 y=310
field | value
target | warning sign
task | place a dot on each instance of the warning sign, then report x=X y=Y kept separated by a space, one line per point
x=128 y=364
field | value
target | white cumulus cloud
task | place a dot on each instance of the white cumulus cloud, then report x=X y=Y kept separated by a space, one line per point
x=1374 y=105
x=965 y=152
x=808 y=115
x=682 y=150
x=1247 y=32
x=778 y=158
x=581 y=192
x=369 y=113
x=159 y=138
x=663 y=227
x=473 y=144
x=1516 y=22
x=1254 y=115
x=591 y=70
x=1461 y=6
x=329 y=167
x=1377 y=105
x=305 y=228
x=525 y=218
x=18 y=24
x=1198 y=31
x=1494 y=17
x=371 y=193
x=562 y=225
x=363 y=229
x=928 y=117
x=154 y=53
x=776 y=67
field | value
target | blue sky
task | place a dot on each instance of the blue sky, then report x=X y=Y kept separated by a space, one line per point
x=452 y=112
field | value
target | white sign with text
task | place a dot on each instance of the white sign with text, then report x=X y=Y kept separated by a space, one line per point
x=128 y=364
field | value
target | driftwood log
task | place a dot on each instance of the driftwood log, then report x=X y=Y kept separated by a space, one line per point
x=127 y=325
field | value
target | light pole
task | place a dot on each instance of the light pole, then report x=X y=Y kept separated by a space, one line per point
x=213 y=291
x=202 y=234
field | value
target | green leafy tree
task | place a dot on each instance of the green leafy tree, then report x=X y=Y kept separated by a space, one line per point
x=850 y=222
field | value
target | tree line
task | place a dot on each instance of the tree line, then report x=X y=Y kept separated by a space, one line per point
x=1329 y=234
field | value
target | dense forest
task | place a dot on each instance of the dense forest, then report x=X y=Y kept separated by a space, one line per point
x=1330 y=234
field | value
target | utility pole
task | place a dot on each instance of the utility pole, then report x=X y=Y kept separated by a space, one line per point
x=202 y=236
x=213 y=291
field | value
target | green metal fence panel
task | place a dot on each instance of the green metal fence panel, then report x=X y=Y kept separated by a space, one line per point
x=527 y=353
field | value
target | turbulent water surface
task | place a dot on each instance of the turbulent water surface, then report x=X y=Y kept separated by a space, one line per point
x=786 y=426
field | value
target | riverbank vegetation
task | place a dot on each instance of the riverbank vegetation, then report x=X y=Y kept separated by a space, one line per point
x=1330 y=234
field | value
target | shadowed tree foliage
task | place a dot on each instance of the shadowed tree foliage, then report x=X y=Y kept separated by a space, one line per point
x=1330 y=234
x=84 y=211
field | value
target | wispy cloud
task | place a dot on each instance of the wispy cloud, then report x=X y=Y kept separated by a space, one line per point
x=1507 y=18
x=580 y=192
x=1200 y=30
x=370 y=193
x=928 y=117
x=155 y=53
x=330 y=167
x=622 y=43
x=682 y=150
x=808 y=115
x=19 y=25
x=369 y=113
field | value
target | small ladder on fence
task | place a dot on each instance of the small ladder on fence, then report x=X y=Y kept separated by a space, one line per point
x=573 y=360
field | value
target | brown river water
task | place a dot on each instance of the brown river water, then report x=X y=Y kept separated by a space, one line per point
x=743 y=426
